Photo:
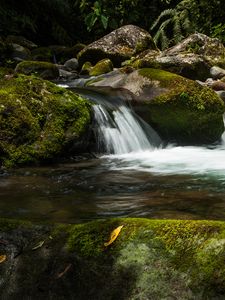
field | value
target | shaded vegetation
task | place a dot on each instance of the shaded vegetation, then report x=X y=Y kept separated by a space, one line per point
x=66 y=22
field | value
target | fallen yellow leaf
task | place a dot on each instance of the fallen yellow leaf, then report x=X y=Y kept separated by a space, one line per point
x=39 y=245
x=2 y=258
x=114 y=234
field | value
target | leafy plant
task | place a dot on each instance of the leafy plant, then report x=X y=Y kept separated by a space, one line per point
x=218 y=31
x=173 y=25
x=189 y=16
x=97 y=15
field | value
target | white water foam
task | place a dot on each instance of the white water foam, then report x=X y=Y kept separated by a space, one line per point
x=120 y=132
x=128 y=147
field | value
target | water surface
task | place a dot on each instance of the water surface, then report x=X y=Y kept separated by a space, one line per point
x=174 y=183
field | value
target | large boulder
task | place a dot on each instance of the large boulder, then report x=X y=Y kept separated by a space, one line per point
x=193 y=57
x=46 y=70
x=40 y=121
x=149 y=259
x=179 y=109
x=119 y=45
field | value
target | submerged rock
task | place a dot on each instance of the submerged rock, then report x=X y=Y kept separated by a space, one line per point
x=119 y=45
x=40 y=121
x=150 y=259
x=179 y=109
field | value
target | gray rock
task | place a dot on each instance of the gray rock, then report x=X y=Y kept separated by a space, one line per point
x=221 y=94
x=119 y=45
x=193 y=57
x=217 y=72
x=67 y=75
x=20 y=52
x=20 y=40
x=71 y=64
x=45 y=70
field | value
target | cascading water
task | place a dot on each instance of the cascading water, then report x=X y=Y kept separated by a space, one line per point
x=118 y=129
x=120 y=132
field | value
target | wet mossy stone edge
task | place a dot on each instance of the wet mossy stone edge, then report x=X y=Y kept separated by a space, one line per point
x=150 y=259
x=184 y=111
x=40 y=122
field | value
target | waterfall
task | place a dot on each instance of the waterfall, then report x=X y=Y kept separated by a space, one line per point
x=120 y=131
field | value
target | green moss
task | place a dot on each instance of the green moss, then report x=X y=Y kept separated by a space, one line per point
x=158 y=253
x=38 y=120
x=150 y=259
x=7 y=225
x=43 y=69
x=43 y=54
x=102 y=67
x=166 y=79
x=5 y=71
x=185 y=111
x=86 y=67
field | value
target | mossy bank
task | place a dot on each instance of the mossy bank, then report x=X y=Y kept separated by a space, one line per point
x=40 y=121
x=150 y=259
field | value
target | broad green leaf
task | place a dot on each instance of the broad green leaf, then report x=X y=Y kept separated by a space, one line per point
x=104 y=21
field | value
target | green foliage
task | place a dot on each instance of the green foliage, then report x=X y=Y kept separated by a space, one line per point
x=218 y=31
x=189 y=16
x=43 y=19
x=97 y=15
x=173 y=25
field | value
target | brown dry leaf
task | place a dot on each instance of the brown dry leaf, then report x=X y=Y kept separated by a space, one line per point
x=39 y=245
x=114 y=234
x=64 y=272
x=2 y=258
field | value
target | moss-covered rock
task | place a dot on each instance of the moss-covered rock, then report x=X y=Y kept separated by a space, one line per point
x=150 y=259
x=43 y=69
x=183 y=110
x=39 y=121
x=5 y=72
x=179 y=109
x=86 y=68
x=42 y=54
x=102 y=67
x=119 y=45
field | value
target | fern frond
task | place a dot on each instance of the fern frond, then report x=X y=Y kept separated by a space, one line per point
x=164 y=40
x=168 y=12
x=177 y=31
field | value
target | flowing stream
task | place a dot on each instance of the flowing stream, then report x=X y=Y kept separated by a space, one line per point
x=133 y=175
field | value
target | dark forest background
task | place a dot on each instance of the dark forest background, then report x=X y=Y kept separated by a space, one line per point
x=67 y=22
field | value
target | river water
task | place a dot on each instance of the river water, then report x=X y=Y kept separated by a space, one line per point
x=135 y=176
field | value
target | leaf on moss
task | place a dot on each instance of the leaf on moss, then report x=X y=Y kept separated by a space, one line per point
x=39 y=245
x=114 y=234
x=65 y=271
x=2 y=258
